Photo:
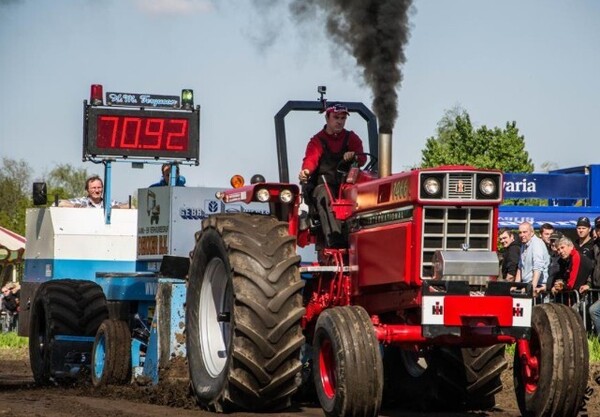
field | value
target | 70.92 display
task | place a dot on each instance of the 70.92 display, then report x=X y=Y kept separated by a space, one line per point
x=141 y=133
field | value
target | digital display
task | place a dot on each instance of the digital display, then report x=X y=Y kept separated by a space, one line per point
x=141 y=133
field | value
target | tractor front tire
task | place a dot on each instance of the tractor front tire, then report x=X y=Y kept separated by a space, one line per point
x=111 y=357
x=347 y=366
x=559 y=344
x=243 y=312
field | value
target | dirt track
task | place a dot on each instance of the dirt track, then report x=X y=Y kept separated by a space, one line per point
x=20 y=398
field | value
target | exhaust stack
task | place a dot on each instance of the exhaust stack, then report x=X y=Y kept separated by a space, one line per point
x=385 y=154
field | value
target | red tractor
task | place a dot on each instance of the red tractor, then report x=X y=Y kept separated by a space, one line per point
x=408 y=313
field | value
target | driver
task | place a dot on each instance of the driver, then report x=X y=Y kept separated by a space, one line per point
x=324 y=152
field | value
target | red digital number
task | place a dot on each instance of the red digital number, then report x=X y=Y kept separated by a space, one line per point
x=131 y=129
x=176 y=139
x=101 y=127
x=154 y=129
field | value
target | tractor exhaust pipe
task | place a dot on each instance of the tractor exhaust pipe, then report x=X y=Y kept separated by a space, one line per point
x=385 y=154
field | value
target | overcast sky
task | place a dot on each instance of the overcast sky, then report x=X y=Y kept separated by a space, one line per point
x=536 y=62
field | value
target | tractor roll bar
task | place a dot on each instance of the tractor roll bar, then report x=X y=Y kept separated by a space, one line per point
x=296 y=105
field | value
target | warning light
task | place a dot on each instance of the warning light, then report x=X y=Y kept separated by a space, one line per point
x=237 y=181
x=187 y=99
x=96 y=95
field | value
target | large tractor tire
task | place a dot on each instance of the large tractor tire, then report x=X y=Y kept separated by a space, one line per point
x=347 y=366
x=559 y=344
x=111 y=357
x=243 y=312
x=469 y=378
x=61 y=308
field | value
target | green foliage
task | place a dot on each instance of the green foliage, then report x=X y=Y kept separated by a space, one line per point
x=14 y=194
x=66 y=181
x=459 y=143
x=11 y=340
x=594 y=345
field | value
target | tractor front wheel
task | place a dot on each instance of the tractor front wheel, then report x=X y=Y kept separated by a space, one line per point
x=558 y=345
x=111 y=357
x=347 y=366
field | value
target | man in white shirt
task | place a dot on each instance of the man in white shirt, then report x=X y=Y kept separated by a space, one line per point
x=534 y=261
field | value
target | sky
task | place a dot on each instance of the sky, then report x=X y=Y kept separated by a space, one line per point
x=536 y=62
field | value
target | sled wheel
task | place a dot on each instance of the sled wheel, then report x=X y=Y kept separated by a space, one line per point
x=559 y=345
x=243 y=312
x=111 y=357
x=348 y=371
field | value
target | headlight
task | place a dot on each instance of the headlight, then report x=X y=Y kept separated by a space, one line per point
x=431 y=186
x=286 y=196
x=262 y=194
x=487 y=186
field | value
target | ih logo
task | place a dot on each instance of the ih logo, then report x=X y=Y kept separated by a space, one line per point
x=437 y=309
x=518 y=310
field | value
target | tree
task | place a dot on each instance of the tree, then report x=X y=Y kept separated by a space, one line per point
x=14 y=194
x=66 y=181
x=459 y=143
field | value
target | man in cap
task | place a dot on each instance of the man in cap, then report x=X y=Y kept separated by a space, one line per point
x=324 y=152
x=585 y=244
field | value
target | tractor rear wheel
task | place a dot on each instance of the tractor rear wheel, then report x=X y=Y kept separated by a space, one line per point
x=59 y=309
x=111 y=357
x=559 y=345
x=409 y=376
x=243 y=312
x=347 y=366
x=469 y=378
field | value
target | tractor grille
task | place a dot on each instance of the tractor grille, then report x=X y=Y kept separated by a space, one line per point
x=451 y=228
x=460 y=186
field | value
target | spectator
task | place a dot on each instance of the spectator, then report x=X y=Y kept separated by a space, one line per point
x=534 y=259
x=166 y=177
x=554 y=266
x=510 y=254
x=94 y=198
x=324 y=152
x=585 y=244
x=575 y=269
x=546 y=230
x=10 y=306
x=594 y=282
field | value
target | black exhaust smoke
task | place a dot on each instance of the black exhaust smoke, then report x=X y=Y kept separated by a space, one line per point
x=375 y=32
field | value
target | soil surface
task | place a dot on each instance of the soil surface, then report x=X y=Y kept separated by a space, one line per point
x=19 y=397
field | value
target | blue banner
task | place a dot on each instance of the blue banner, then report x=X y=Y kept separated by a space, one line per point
x=559 y=217
x=546 y=186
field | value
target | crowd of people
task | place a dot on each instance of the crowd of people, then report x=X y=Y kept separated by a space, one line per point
x=557 y=267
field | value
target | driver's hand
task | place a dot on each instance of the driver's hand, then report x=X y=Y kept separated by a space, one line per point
x=303 y=176
x=348 y=156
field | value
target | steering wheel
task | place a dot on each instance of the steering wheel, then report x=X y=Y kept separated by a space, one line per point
x=343 y=167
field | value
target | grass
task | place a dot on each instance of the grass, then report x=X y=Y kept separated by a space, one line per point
x=11 y=340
